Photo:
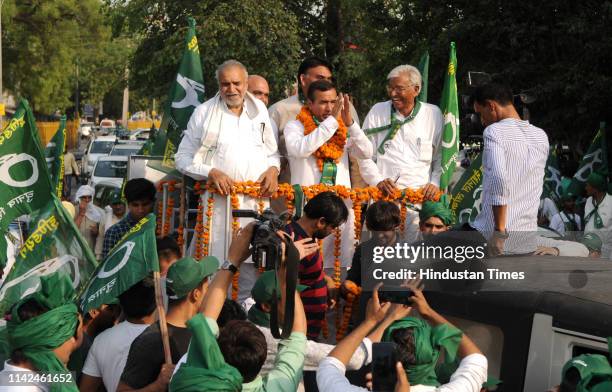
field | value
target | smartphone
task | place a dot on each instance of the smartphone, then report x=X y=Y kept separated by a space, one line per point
x=396 y=296
x=384 y=358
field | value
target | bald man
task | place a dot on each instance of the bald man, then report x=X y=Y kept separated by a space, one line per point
x=258 y=86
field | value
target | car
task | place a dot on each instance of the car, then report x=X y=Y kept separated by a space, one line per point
x=140 y=134
x=109 y=170
x=98 y=147
x=126 y=149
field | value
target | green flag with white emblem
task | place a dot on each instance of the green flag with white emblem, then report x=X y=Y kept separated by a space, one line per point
x=424 y=70
x=467 y=193
x=552 y=177
x=186 y=93
x=595 y=160
x=24 y=180
x=450 y=110
x=54 y=154
x=130 y=261
x=54 y=245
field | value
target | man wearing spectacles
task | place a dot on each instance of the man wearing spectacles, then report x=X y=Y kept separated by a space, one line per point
x=406 y=135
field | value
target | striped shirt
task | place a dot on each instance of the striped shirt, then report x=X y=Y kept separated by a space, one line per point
x=514 y=160
x=311 y=274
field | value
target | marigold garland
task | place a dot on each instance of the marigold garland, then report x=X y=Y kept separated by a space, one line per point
x=158 y=221
x=199 y=228
x=208 y=227
x=353 y=294
x=334 y=147
x=235 y=226
x=337 y=263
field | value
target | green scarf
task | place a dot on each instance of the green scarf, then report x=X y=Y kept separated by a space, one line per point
x=38 y=336
x=258 y=316
x=205 y=369
x=437 y=209
x=428 y=342
x=393 y=127
x=594 y=214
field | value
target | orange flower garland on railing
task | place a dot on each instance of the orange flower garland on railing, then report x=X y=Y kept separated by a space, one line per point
x=199 y=228
x=337 y=262
x=334 y=147
x=210 y=206
x=235 y=226
x=158 y=221
x=353 y=294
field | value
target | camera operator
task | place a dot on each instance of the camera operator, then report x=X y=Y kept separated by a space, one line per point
x=322 y=215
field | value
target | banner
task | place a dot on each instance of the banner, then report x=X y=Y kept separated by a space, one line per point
x=595 y=159
x=186 y=93
x=467 y=193
x=552 y=177
x=54 y=154
x=24 y=180
x=450 y=110
x=130 y=261
x=54 y=244
x=424 y=70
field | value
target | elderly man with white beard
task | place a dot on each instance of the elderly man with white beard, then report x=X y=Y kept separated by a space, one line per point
x=229 y=139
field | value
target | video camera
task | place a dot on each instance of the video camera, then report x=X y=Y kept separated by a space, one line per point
x=267 y=250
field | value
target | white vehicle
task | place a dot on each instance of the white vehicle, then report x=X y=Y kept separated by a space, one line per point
x=109 y=170
x=126 y=149
x=98 y=147
x=86 y=129
x=107 y=126
x=140 y=134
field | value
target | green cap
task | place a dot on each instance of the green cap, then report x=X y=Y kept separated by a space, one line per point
x=605 y=386
x=187 y=273
x=568 y=195
x=597 y=181
x=491 y=382
x=116 y=198
x=588 y=366
x=263 y=288
x=592 y=241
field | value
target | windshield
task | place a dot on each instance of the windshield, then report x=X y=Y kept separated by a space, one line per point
x=110 y=169
x=125 y=152
x=101 y=147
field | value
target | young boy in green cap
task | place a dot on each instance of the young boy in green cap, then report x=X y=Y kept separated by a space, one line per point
x=186 y=285
x=598 y=212
x=586 y=373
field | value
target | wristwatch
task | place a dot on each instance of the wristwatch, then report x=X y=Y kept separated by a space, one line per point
x=227 y=265
x=501 y=234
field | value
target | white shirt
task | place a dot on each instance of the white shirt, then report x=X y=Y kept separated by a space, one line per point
x=469 y=377
x=605 y=233
x=548 y=208
x=558 y=222
x=414 y=153
x=514 y=159
x=108 y=354
x=300 y=150
x=566 y=248
x=242 y=151
x=5 y=380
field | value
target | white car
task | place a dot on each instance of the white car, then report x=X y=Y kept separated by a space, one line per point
x=109 y=170
x=98 y=147
x=140 y=134
x=126 y=149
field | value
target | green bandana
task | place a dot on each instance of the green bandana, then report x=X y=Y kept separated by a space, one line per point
x=428 y=343
x=205 y=369
x=38 y=336
x=259 y=317
x=393 y=127
x=437 y=209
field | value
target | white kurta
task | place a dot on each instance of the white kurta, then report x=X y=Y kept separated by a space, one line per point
x=413 y=156
x=304 y=171
x=243 y=152
x=605 y=233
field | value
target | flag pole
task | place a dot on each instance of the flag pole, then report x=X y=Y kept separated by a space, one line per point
x=163 y=327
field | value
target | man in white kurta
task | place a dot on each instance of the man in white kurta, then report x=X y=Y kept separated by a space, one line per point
x=598 y=212
x=412 y=157
x=303 y=164
x=229 y=139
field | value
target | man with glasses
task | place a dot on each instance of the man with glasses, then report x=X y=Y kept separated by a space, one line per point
x=407 y=137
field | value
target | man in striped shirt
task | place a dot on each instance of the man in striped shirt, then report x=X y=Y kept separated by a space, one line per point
x=322 y=215
x=514 y=161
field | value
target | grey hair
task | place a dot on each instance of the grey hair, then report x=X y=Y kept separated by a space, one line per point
x=231 y=63
x=411 y=72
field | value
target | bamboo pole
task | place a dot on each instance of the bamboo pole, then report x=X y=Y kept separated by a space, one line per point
x=163 y=327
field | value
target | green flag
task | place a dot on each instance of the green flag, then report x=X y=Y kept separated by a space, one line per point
x=130 y=261
x=552 y=177
x=54 y=244
x=596 y=159
x=54 y=154
x=450 y=109
x=186 y=93
x=424 y=70
x=24 y=179
x=467 y=193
